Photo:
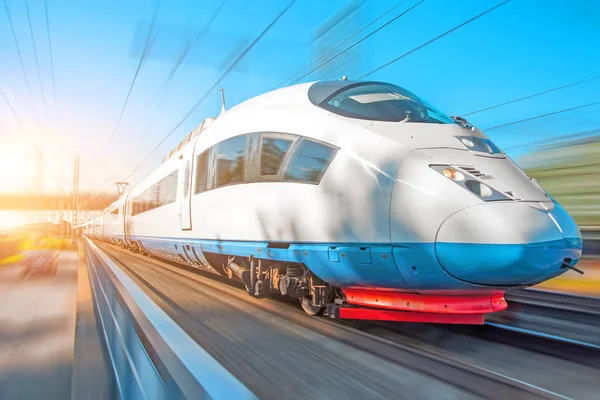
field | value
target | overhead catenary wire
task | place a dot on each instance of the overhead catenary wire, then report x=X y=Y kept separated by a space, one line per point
x=528 y=125
x=435 y=39
x=137 y=71
x=358 y=41
x=339 y=44
x=30 y=138
x=19 y=54
x=541 y=116
x=182 y=56
x=51 y=55
x=215 y=84
x=35 y=54
x=556 y=139
x=532 y=95
x=198 y=37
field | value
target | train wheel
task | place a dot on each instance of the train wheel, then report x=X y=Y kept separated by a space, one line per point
x=308 y=307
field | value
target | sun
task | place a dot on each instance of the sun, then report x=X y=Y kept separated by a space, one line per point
x=10 y=220
x=15 y=172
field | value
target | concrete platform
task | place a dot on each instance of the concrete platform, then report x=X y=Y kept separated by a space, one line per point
x=39 y=354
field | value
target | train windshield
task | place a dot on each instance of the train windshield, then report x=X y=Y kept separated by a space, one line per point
x=382 y=102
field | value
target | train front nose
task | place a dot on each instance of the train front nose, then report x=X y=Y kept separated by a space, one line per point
x=508 y=243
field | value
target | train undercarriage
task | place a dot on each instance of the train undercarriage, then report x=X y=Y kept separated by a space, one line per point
x=265 y=277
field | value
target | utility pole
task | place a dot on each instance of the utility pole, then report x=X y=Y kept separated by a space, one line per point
x=39 y=173
x=75 y=215
x=38 y=184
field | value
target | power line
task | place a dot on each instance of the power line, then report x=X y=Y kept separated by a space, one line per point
x=532 y=95
x=178 y=63
x=436 y=38
x=32 y=141
x=137 y=71
x=215 y=84
x=51 y=55
x=339 y=44
x=559 y=138
x=12 y=28
x=358 y=42
x=35 y=53
x=541 y=116
x=191 y=45
x=545 y=121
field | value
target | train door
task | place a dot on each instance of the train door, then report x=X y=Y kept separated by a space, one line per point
x=185 y=176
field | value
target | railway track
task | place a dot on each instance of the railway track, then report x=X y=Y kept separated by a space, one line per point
x=407 y=345
x=587 y=305
x=570 y=322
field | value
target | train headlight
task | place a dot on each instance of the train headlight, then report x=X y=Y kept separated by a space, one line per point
x=467 y=142
x=452 y=173
x=479 y=144
x=470 y=183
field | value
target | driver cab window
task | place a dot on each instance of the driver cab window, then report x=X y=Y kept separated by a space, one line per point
x=383 y=102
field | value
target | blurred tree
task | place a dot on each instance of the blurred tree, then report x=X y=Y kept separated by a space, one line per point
x=570 y=171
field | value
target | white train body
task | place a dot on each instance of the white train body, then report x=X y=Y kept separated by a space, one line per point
x=300 y=175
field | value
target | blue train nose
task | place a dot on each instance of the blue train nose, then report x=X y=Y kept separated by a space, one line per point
x=508 y=243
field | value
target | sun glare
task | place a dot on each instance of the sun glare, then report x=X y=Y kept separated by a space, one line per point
x=15 y=173
x=10 y=220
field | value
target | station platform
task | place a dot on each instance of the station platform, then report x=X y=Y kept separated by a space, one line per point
x=49 y=344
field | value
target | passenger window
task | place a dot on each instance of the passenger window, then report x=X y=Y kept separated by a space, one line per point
x=273 y=152
x=230 y=161
x=201 y=172
x=161 y=193
x=309 y=162
x=166 y=189
x=186 y=180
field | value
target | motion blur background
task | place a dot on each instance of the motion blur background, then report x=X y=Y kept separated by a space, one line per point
x=117 y=84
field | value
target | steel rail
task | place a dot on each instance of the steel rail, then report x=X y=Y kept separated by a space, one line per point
x=440 y=366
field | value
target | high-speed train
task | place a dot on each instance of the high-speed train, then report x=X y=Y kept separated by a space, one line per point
x=358 y=198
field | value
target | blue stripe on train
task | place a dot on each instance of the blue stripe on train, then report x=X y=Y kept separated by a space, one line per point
x=406 y=265
x=508 y=264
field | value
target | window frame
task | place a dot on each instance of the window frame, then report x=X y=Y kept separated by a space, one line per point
x=216 y=161
x=197 y=169
x=324 y=104
x=211 y=179
x=253 y=158
x=295 y=139
x=293 y=151
x=140 y=207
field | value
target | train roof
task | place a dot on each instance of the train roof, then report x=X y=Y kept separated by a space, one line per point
x=189 y=137
x=307 y=93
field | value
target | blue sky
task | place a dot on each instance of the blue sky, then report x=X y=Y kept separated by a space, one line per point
x=523 y=47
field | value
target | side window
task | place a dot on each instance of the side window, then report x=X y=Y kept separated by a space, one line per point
x=167 y=189
x=201 y=172
x=231 y=155
x=161 y=193
x=309 y=162
x=272 y=153
x=186 y=180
